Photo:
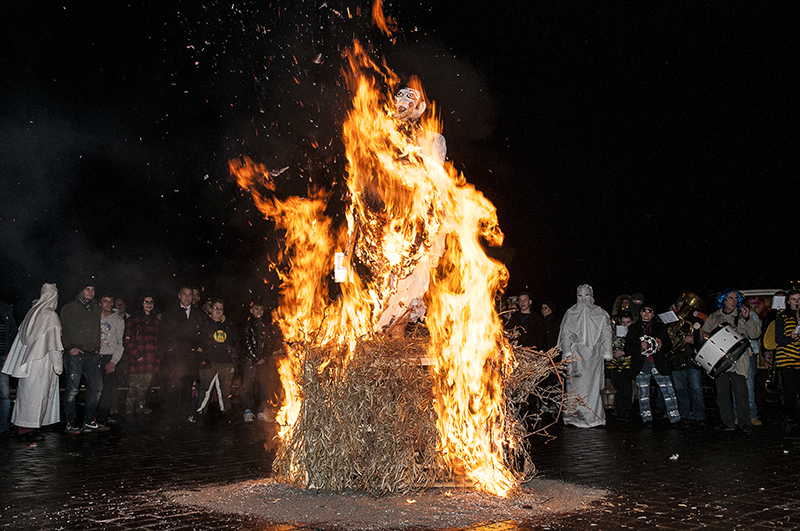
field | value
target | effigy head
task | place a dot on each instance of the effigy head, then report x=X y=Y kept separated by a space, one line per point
x=409 y=104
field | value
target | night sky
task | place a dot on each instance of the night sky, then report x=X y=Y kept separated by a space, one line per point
x=646 y=148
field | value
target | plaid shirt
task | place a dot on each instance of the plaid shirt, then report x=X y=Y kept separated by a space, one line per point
x=141 y=344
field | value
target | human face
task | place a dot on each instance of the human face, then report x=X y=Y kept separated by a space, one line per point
x=524 y=303
x=730 y=302
x=119 y=305
x=626 y=321
x=88 y=293
x=794 y=301
x=624 y=304
x=148 y=304
x=646 y=314
x=217 y=310
x=257 y=311
x=546 y=310
x=107 y=305
x=185 y=296
x=195 y=296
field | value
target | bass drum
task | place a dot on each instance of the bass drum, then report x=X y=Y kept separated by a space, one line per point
x=723 y=348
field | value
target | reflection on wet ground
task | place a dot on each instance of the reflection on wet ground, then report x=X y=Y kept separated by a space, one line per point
x=693 y=478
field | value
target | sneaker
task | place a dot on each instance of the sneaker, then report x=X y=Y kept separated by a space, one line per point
x=192 y=419
x=72 y=427
x=756 y=422
x=95 y=426
x=249 y=417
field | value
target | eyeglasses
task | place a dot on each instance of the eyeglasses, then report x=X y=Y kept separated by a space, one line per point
x=647 y=310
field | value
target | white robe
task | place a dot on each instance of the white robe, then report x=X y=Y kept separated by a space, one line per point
x=586 y=335
x=36 y=359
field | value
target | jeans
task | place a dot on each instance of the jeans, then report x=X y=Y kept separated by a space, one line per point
x=86 y=364
x=665 y=384
x=108 y=397
x=5 y=401
x=689 y=390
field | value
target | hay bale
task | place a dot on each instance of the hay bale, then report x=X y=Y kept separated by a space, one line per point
x=370 y=425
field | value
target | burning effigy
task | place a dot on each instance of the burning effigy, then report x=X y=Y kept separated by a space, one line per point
x=405 y=380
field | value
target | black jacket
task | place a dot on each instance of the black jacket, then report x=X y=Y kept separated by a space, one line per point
x=532 y=332
x=633 y=347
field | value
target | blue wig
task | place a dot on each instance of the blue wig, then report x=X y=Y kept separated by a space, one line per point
x=724 y=294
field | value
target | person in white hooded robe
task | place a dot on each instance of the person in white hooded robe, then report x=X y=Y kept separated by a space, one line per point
x=36 y=359
x=586 y=336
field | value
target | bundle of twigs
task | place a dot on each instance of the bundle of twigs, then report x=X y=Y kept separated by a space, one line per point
x=369 y=424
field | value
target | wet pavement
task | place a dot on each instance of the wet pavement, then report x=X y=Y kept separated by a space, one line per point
x=666 y=478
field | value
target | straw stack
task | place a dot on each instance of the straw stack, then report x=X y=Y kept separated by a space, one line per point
x=370 y=425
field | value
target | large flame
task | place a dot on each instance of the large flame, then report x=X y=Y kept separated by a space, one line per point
x=413 y=224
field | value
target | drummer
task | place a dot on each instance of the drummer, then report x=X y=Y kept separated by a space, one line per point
x=733 y=311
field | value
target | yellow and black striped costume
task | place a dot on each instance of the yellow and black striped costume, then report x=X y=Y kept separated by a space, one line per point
x=787 y=355
x=623 y=363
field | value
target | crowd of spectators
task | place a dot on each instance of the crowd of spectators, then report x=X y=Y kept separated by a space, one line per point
x=180 y=358
x=185 y=356
x=744 y=356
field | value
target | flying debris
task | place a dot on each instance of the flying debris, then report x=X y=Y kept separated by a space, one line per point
x=275 y=173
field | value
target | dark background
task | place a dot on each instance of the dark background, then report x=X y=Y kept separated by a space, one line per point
x=647 y=148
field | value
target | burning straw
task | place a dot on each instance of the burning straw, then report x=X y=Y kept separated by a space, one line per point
x=371 y=426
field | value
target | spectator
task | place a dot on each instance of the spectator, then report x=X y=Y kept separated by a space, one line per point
x=787 y=358
x=586 y=335
x=216 y=373
x=636 y=305
x=734 y=312
x=687 y=378
x=120 y=307
x=646 y=343
x=112 y=330
x=552 y=325
x=80 y=335
x=528 y=324
x=619 y=366
x=621 y=303
x=257 y=349
x=179 y=336
x=144 y=356
x=769 y=375
x=196 y=297
x=35 y=358
x=8 y=331
x=755 y=305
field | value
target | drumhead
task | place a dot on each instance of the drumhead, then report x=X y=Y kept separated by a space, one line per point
x=731 y=357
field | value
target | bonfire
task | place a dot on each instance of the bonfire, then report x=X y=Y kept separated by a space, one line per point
x=406 y=380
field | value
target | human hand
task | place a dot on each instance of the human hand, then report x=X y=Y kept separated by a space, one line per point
x=75 y=351
x=111 y=367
